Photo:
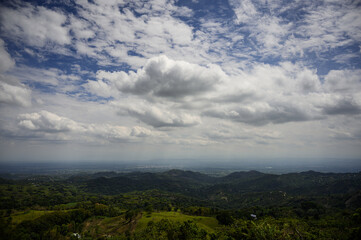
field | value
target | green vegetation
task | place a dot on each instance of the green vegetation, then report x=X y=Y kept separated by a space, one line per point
x=182 y=205
x=19 y=217
x=208 y=224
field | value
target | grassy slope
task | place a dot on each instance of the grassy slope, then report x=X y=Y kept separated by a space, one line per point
x=112 y=226
x=105 y=226
x=207 y=223
x=27 y=215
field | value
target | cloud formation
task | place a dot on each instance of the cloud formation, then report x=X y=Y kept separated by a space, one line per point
x=262 y=114
x=283 y=30
x=14 y=93
x=35 y=25
x=242 y=77
x=343 y=106
x=180 y=94
x=43 y=124
x=45 y=121
x=11 y=90
x=166 y=78
x=161 y=117
x=6 y=62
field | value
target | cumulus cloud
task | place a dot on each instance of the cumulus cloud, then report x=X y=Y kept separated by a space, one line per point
x=14 y=94
x=285 y=78
x=180 y=71
x=342 y=106
x=51 y=124
x=239 y=96
x=265 y=94
x=100 y=88
x=11 y=90
x=110 y=132
x=343 y=81
x=269 y=94
x=262 y=114
x=45 y=121
x=227 y=134
x=343 y=92
x=35 y=25
x=158 y=116
x=166 y=78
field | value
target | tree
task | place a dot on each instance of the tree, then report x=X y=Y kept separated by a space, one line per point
x=225 y=218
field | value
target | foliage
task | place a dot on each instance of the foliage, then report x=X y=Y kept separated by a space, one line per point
x=166 y=229
x=182 y=205
x=225 y=218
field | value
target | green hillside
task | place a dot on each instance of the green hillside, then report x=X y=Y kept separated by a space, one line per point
x=182 y=205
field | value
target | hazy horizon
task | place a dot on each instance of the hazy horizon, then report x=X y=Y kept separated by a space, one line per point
x=218 y=167
x=188 y=82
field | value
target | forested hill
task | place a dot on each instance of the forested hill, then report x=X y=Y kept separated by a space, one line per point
x=238 y=189
x=179 y=204
x=177 y=180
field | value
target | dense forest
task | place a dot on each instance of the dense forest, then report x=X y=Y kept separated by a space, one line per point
x=180 y=204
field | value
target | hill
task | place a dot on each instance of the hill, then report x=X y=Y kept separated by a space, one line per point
x=179 y=204
x=234 y=189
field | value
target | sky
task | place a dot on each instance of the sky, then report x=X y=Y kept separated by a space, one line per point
x=189 y=79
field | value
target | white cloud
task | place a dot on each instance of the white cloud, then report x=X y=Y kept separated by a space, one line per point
x=166 y=78
x=269 y=94
x=11 y=90
x=110 y=132
x=35 y=25
x=159 y=95
x=171 y=75
x=327 y=26
x=158 y=115
x=263 y=113
x=270 y=33
x=100 y=88
x=104 y=30
x=44 y=124
x=82 y=29
x=245 y=11
x=343 y=92
x=286 y=78
x=284 y=30
x=342 y=106
x=343 y=81
x=51 y=78
x=45 y=121
x=266 y=27
x=6 y=62
x=332 y=25
x=17 y=94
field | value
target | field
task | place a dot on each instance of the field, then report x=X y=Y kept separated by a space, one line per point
x=112 y=226
x=207 y=223
x=18 y=217
x=105 y=226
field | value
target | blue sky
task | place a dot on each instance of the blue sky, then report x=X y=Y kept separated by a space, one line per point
x=141 y=80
